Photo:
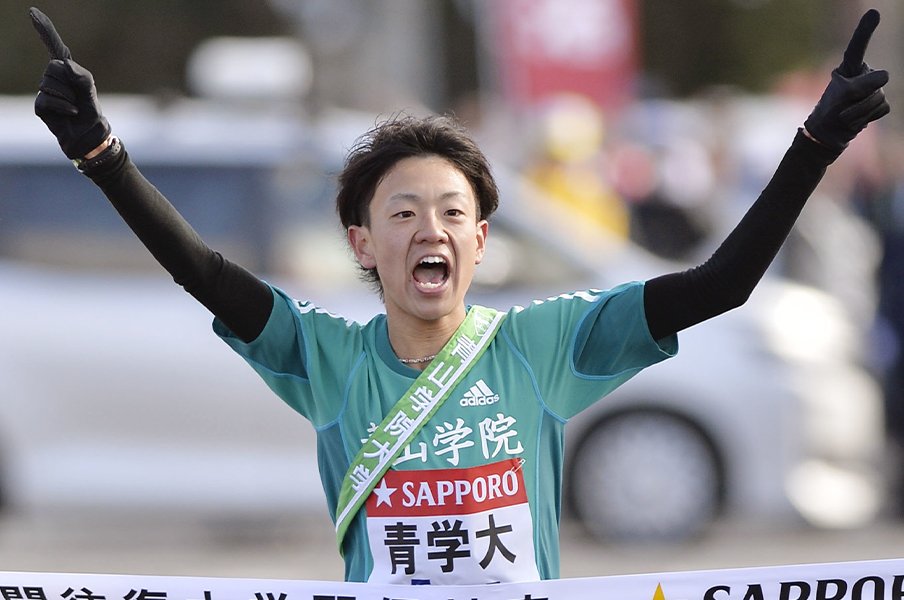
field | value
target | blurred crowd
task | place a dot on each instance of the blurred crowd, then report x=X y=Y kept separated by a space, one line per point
x=675 y=176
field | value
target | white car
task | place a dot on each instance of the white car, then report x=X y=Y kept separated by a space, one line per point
x=116 y=393
x=765 y=414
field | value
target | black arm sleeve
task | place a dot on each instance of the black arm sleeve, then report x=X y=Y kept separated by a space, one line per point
x=725 y=281
x=239 y=299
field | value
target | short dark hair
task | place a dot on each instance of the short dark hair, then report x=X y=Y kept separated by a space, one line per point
x=400 y=137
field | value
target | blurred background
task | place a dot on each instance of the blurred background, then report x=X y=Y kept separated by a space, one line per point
x=628 y=137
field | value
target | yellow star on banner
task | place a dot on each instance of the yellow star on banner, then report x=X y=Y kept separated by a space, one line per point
x=658 y=595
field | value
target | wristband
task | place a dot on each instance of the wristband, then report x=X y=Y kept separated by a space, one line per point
x=114 y=147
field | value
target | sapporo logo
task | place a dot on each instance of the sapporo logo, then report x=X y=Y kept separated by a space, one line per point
x=471 y=491
x=869 y=587
x=479 y=394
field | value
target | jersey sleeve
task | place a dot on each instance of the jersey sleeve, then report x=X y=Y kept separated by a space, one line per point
x=581 y=346
x=303 y=354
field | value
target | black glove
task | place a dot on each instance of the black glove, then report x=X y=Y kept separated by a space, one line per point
x=67 y=100
x=854 y=96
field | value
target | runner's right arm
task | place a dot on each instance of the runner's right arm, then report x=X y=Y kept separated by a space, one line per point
x=67 y=103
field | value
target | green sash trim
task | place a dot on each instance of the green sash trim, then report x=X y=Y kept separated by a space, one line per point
x=413 y=410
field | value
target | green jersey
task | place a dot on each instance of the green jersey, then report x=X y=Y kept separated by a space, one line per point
x=476 y=495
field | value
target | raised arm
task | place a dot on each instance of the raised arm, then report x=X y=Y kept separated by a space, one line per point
x=67 y=103
x=852 y=99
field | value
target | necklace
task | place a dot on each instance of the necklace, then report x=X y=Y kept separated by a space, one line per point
x=417 y=361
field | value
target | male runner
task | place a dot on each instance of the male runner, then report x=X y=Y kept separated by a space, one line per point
x=473 y=492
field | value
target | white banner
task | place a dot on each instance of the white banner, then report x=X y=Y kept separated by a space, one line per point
x=862 y=580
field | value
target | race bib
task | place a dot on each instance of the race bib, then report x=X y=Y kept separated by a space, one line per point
x=452 y=526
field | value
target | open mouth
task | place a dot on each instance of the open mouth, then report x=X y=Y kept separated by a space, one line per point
x=431 y=272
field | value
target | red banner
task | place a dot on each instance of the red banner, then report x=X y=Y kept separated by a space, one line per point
x=547 y=47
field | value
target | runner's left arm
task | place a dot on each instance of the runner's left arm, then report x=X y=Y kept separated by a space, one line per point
x=852 y=99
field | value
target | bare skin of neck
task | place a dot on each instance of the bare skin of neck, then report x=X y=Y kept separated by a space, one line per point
x=415 y=338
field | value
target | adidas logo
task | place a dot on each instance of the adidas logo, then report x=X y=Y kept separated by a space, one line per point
x=480 y=394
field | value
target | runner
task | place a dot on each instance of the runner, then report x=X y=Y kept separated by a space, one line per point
x=440 y=426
